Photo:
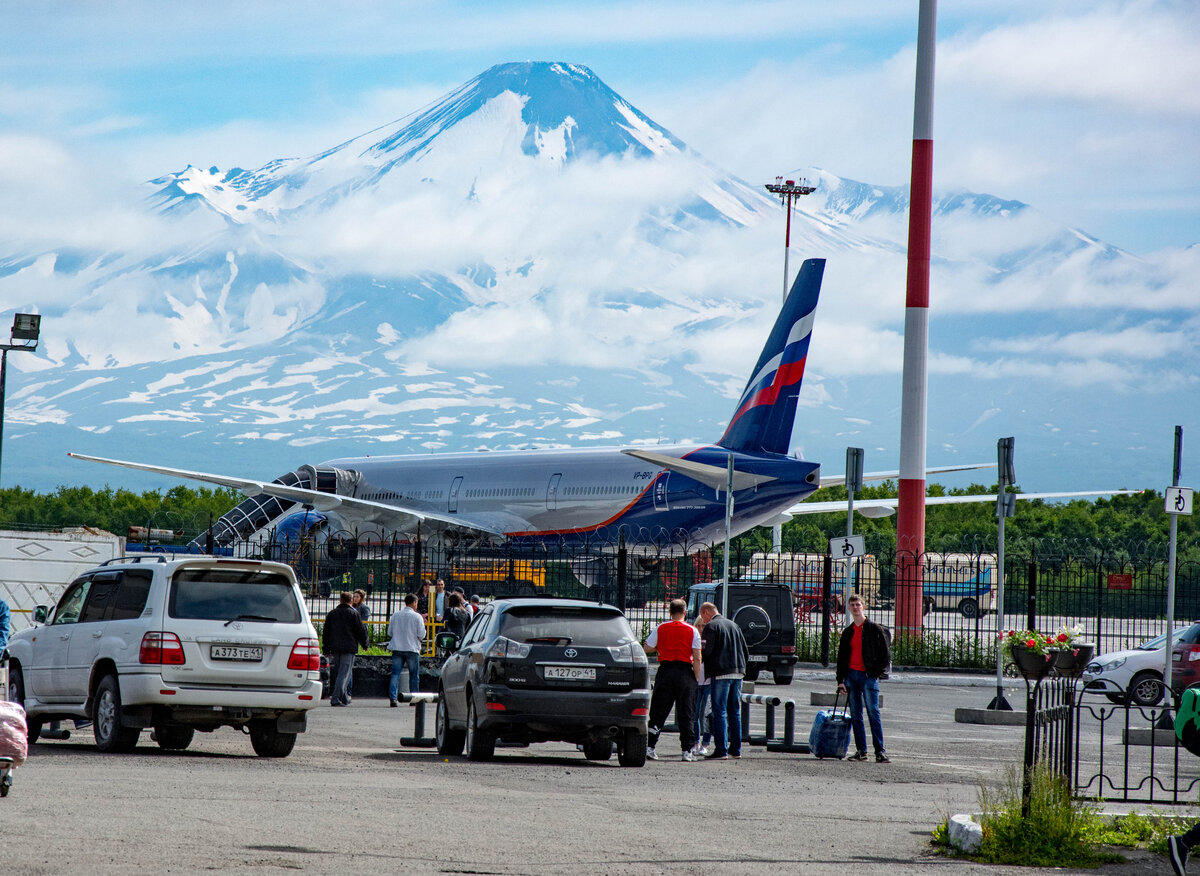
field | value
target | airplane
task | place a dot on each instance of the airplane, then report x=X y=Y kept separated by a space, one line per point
x=646 y=495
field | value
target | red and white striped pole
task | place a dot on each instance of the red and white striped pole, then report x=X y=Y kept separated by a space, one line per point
x=910 y=521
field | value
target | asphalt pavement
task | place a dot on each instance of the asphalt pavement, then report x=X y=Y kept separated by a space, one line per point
x=352 y=799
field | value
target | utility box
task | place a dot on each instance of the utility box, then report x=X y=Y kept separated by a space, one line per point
x=36 y=566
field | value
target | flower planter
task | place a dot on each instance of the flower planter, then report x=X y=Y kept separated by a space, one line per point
x=1030 y=664
x=1071 y=661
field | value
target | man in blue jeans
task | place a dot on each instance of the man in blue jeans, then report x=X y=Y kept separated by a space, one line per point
x=406 y=638
x=725 y=656
x=863 y=656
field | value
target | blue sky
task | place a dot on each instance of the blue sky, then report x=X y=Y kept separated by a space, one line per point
x=1090 y=112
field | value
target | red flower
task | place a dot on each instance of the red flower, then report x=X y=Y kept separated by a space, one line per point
x=1032 y=643
x=1063 y=637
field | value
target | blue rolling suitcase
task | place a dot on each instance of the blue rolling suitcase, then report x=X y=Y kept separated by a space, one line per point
x=830 y=734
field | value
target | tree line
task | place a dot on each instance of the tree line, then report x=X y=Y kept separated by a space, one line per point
x=1136 y=519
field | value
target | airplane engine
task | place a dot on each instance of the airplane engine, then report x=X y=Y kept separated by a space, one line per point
x=305 y=542
x=598 y=573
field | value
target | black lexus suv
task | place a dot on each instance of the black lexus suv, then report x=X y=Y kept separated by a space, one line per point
x=545 y=670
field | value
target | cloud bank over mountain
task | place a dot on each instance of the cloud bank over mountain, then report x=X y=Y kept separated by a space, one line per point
x=533 y=261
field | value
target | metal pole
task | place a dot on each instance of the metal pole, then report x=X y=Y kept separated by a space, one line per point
x=1005 y=476
x=1176 y=470
x=728 y=527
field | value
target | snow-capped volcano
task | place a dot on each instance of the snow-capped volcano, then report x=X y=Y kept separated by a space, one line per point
x=544 y=113
x=530 y=260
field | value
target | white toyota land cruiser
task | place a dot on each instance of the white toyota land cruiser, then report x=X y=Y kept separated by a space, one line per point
x=177 y=645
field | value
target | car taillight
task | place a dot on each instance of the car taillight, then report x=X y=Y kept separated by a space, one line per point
x=1192 y=652
x=161 y=648
x=504 y=647
x=788 y=649
x=305 y=656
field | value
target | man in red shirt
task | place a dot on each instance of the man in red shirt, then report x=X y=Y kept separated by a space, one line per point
x=863 y=656
x=679 y=668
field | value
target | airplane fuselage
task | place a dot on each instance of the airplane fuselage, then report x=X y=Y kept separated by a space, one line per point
x=577 y=495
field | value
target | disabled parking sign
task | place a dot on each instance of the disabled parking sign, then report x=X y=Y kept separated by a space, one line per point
x=847 y=546
x=1179 y=500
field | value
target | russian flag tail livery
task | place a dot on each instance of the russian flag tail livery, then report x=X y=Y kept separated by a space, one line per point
x=767 y=409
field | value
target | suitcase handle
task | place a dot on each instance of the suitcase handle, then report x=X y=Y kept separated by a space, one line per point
x=846 y=706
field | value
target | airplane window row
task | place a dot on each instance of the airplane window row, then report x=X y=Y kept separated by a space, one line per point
x=599 y=491
x=381 y=495
x=498 y=492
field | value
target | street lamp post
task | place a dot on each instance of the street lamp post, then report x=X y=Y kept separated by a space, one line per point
x=26 y=327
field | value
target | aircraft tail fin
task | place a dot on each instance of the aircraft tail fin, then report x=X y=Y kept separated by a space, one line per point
x=766 y=410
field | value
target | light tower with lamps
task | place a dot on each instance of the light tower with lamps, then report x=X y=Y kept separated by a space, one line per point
x=788 y=191
x=26 y=327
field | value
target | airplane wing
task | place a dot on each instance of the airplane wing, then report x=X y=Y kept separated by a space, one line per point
x=393 y=516
x=715 y=476
x=885 y=507
x=838 y=480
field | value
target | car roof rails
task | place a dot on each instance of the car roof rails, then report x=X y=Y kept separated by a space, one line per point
x=145 y=558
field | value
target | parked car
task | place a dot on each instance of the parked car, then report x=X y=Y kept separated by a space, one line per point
x=1185 y=659
x=542 y=670
x=1136 y=673
x=764 y=611
x=176 y=645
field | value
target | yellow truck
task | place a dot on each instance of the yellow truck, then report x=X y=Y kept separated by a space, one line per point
x=496 y=578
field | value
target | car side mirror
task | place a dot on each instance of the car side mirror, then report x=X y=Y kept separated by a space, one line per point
x=40 y=614
x=447 y=642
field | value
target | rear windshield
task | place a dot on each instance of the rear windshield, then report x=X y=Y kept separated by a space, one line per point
x=233 y=594
x=580 y=626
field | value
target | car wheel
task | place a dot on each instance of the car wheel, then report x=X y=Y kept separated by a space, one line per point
x=752 y=673
x=267 y=741
x=481 y=745
x=632 y=752
x=449 y=740
x=969 y=609
x=173 y=738
x=599 y=750
x=111 y=737
x=1146 y=688
x=783 y=676
x=16 y=694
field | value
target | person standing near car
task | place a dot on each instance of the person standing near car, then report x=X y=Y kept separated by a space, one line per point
x=863 y=656
x=341 y=637
x=5 y=628
x=679 y=669
x=406 y=638
x=725 y=657
x=458 y=616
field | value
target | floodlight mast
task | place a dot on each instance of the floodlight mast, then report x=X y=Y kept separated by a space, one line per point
x=26 y=327
x=788 y=191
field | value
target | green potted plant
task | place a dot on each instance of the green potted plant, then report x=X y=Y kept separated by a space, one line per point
x=1071 y=654
x=1029 y=651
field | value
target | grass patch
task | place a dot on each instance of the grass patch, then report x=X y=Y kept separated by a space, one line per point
x=1058 y=831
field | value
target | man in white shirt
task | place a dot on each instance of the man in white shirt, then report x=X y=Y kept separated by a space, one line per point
x=406 y=638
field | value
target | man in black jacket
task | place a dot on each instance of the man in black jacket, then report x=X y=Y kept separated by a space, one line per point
x=341 y=637
x=863 y=656
x=725 y=656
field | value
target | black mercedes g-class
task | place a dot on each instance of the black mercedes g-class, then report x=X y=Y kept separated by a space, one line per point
x=764 y=612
